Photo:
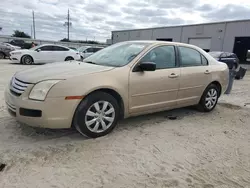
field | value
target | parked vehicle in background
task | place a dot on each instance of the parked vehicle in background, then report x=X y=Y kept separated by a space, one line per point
x=73 y=48
x=86 y=51
x=47 y=53
x=12 y=46
x=230 y=59
x=123 y=80
x=21 y=43
x=4 y=50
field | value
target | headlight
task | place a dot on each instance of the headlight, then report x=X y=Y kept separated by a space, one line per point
x=41 y=89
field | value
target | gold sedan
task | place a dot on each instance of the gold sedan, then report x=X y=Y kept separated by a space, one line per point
x=123 y=80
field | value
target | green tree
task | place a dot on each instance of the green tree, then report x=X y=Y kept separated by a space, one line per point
x=65 y=40
x=20 y=34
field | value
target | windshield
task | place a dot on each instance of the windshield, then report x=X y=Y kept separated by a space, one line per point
x=215 y=54
x=35 y=47
x=82 y=48
x=117 y=55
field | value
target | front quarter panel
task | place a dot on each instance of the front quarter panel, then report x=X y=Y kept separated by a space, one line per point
x=115 y=79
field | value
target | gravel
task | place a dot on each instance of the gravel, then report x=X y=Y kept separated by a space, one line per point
x=197 y=150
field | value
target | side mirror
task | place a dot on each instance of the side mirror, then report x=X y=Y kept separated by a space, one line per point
x=147 y=66
x=38 y=50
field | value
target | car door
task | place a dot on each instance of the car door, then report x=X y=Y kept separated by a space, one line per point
x=59 y=53
x=155 y=90
x=43 y=54
x=195 y=76
x=88 y=52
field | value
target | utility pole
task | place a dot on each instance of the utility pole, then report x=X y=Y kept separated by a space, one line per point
x=34 y=26
x=31 y=32
x=68 y=23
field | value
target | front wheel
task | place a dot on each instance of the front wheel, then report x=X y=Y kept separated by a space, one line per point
x=27 y=60
x=209 y=99
x=96 y=115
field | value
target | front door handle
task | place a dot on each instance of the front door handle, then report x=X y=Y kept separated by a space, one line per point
x=207 y=72
x=173 y=75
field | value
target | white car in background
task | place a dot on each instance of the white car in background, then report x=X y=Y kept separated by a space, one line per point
x=86 y=51
x=47 y=53
x=12 y=46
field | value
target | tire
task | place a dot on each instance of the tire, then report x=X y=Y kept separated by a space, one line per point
x=27 y=60
x=210 y=96
x=69 y=58
x=2 y=55
x=89 y=122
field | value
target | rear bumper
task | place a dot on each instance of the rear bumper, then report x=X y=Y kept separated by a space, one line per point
x=53 y=113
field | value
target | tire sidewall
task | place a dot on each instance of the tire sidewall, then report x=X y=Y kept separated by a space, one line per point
x=80 y=113
x=23 y=60
x=203 y=98
x=2 y=55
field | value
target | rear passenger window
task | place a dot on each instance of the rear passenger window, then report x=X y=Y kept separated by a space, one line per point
x=59 y=48
x=190 y=57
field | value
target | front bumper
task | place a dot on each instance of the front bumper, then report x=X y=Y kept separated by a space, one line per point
x=15 y=59
x=53 y=113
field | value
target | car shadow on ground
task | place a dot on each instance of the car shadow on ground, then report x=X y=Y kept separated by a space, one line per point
x=39 y=134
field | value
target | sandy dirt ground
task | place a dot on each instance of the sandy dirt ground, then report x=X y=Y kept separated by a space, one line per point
x=197 y=150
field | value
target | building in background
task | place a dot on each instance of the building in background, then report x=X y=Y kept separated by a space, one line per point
x=229 y=36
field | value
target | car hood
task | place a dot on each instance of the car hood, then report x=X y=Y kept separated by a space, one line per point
x=21 y=50
x=60 y=70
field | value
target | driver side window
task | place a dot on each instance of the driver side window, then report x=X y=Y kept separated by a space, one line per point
x=162 y=56
x=46 y=48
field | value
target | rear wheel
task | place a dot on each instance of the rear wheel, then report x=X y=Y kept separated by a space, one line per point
x=209 y=98
x=2 y=55
x=27 y=60
x=69 y=59
x=96 y=115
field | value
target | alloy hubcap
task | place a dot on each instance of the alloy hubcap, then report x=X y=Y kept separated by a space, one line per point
x=100 y=116
x=27 y=60
x=211 y=98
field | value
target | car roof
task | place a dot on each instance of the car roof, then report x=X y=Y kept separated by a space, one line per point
x=53 y=45
x=155 y=42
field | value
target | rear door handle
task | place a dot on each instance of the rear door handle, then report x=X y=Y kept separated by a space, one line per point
x=173 y=75
x=207 y=72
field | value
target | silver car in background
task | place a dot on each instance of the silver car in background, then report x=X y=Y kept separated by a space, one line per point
x=86 y=51
x=5 y=51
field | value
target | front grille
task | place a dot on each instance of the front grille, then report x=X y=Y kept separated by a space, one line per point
x=17 y=87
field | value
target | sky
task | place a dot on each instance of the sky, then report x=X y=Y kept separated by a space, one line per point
x=95 y=19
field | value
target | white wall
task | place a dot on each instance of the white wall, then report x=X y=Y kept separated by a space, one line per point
x=222 y=34
x=171 y=32
x=235 y=29
x=213 y=31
